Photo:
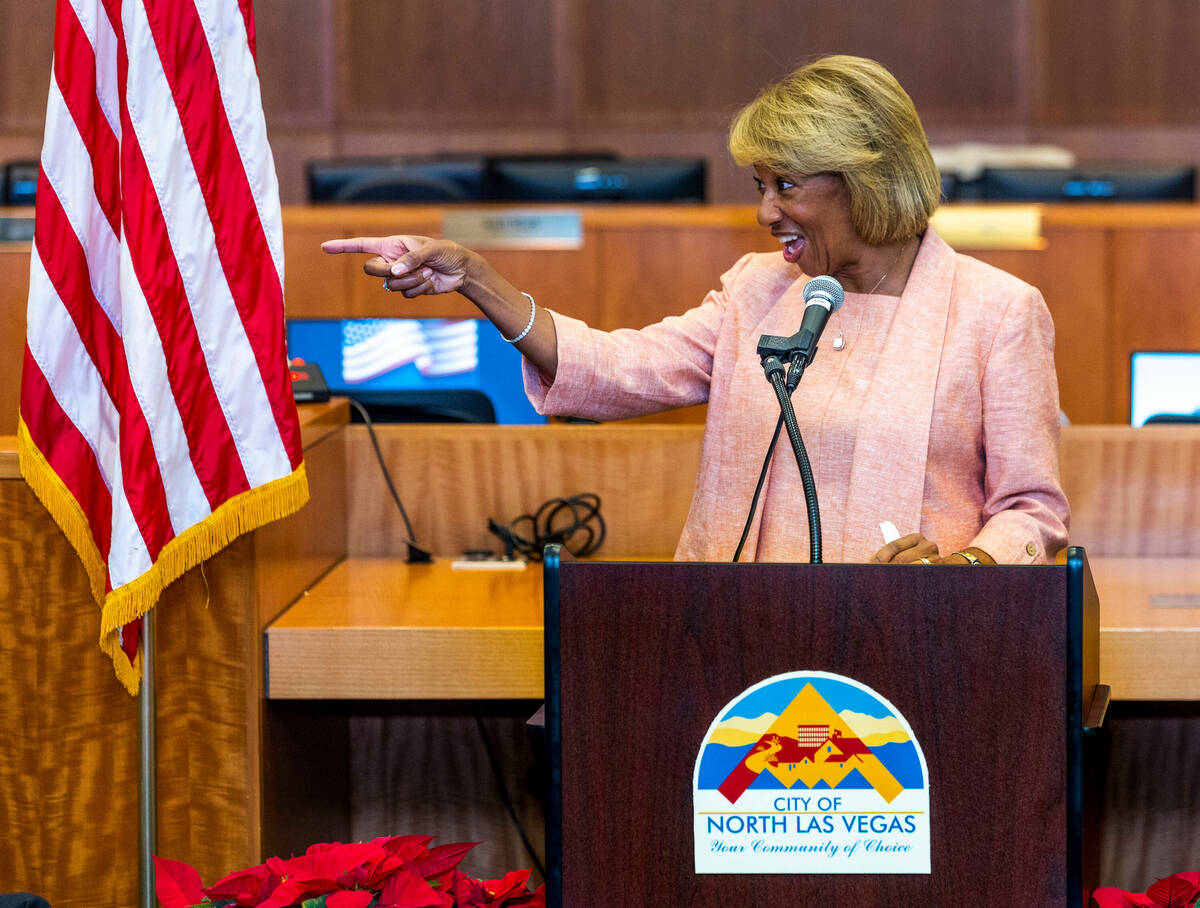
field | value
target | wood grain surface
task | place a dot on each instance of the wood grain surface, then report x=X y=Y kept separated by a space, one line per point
x=70 y=775
x=381 y=629
x=375 y=628
x=1133 y=491
x=452 y=479
x=68 y=767
x=975 y=667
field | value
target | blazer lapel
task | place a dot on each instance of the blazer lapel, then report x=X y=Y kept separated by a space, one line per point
x=892 y=442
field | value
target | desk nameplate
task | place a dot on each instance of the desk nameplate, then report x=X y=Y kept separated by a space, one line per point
x=516 y=228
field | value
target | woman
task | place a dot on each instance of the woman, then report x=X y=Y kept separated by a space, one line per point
x=933 y=404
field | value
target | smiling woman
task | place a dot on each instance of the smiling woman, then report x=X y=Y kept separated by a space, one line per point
x=936 y=408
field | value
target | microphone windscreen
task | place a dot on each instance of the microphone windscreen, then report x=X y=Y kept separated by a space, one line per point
x=826 y=288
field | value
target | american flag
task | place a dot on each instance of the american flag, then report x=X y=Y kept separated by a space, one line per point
x=372 y=347
x=157 y=420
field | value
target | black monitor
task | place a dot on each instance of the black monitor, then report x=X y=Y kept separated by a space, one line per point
x=1122 y=182
x=949 y=186
x=20 y=183
x=432 y=179
x=597 y=180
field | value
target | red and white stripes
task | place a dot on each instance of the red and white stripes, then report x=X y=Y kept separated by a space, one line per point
x=157 y=416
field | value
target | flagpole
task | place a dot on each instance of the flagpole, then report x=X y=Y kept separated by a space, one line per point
x=147 y=769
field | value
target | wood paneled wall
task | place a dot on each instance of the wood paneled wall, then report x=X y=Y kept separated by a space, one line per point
x=1114 y=79
x=1132 y=491
x=1116 y=279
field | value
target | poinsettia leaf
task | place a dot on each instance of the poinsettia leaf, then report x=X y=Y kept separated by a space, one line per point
x=405 y=889
x=1174 y=892
x=314 y=903
x=1111 y=897
x=293 y=890
x=510 y=884
x=176 y=884
x=535 y=899
x=359 y=898
x=394 y=844
x=468 y=893
x=371 y=873
x=246 y=887
x=440 y=859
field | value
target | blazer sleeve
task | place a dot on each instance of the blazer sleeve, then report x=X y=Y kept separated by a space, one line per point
x=625 y=373
x=1025 y=511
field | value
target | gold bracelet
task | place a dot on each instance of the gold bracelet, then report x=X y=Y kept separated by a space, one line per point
x=971 y=559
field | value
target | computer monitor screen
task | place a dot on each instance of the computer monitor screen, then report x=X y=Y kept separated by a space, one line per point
x=597 y=180
x=390 y=362
x=1088 y=183
x=20 y=183
x=432 y=180
x=1164 y=387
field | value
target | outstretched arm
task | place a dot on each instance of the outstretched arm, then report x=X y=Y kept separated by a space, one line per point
x=419 y=265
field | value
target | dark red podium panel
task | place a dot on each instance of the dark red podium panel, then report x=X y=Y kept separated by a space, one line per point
x=992 y=667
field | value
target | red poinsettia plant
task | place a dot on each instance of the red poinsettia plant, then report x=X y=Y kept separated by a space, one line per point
x=1181 y=890
x=395 y=872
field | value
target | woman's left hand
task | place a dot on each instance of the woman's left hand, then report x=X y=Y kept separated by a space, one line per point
x=916 y=549
x=908 y=549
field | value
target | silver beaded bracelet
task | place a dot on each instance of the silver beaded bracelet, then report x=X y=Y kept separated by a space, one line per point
x=528 y=325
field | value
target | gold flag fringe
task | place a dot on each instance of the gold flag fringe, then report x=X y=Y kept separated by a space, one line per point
x=241 y=514
x=53 y=493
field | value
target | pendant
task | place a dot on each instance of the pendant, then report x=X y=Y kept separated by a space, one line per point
x=839 y=342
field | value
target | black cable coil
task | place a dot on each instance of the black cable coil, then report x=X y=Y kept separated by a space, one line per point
x=575 y=523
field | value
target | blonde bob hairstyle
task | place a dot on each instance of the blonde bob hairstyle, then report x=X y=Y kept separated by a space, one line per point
x=849 y=116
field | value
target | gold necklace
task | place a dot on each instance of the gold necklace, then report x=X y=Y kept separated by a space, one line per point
x=839 y=342
x=887 y=269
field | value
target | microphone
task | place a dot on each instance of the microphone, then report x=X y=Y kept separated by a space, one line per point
x=822 y=297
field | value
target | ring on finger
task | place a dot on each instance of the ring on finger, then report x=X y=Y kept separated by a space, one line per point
x=926 y=561
x=386 y=287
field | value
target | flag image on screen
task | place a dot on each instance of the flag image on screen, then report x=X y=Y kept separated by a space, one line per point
x=375 y=346
x=157 y=422
x=386 y=362
x=453 y=347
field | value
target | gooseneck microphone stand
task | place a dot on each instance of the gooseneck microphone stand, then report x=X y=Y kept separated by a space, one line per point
x=772 y=364
x=823 y=296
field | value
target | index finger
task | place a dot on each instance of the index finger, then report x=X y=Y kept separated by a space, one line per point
x=368 y=244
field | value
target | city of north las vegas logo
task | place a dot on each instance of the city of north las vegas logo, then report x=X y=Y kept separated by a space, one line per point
x=810 y=772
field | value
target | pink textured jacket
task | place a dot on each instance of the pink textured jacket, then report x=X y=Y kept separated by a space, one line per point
x=939 y=412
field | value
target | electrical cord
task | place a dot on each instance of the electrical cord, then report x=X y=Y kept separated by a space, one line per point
x=416 y=554
x=546 y=526
x=762 y=476
x=503 y=789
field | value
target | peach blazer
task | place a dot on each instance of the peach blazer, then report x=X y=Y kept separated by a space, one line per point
x=941 y=414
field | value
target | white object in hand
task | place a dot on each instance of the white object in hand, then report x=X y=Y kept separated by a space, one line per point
x=890 y=533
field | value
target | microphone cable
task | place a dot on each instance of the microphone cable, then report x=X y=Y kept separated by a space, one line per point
x=762 y=478
x=784 y=394
x=502 y=787
x=545 y=526
x=416 y=554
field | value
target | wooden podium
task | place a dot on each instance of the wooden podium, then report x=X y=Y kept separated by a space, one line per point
x=994 y=668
